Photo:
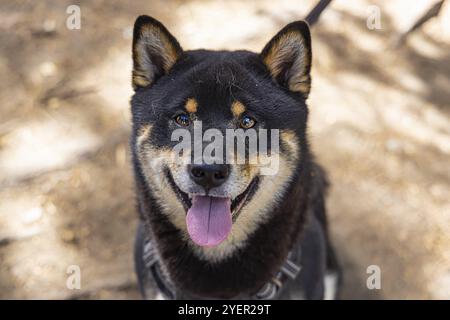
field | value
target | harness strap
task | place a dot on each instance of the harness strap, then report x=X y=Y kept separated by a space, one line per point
x=288 y=272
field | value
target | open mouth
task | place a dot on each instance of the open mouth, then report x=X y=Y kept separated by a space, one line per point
x=209 y=219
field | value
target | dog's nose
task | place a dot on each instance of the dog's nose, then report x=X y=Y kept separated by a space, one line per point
x=209 y=175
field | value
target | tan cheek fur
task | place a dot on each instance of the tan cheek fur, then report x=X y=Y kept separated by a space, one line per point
x=152 y=162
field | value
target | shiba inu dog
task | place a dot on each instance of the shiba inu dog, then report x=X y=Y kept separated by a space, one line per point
x=222 y=229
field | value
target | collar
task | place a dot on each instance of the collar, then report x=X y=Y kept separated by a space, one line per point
x=289 y=271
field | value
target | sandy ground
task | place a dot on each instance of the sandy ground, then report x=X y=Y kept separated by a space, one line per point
x=380 y=124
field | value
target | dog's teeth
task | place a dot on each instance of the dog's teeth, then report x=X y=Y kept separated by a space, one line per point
x=190 y=196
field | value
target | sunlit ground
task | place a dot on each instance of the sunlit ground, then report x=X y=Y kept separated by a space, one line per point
x=379 y=124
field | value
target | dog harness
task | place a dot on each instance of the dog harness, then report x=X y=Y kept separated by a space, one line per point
x=289 y=271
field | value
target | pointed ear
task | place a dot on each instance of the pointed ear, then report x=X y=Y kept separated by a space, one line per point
x=288 y=57
x=155 y=51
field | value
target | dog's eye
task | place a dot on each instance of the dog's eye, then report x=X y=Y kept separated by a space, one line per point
x=247 y=122
x=182 y=119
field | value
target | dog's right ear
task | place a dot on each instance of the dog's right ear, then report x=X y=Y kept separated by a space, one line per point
x=155 y=51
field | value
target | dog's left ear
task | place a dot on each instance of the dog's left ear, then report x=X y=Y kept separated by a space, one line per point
x=155 y=51
x=288 y=57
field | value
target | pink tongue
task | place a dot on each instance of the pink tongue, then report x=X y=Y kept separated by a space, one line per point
x=209 y=220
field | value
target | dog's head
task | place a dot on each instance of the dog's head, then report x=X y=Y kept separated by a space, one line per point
x=194 y=101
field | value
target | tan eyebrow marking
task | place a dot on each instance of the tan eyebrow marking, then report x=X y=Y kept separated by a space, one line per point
x=237 y=108
x=191 y=105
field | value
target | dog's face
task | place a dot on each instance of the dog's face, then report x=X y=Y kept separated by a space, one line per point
x=218 y=201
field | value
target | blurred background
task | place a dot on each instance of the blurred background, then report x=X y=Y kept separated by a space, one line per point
x=380 y=124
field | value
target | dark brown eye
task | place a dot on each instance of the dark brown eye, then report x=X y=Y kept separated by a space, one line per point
x=247 y=122
x=183 y=120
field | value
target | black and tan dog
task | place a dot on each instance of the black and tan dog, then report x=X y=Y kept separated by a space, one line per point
x=225 y=230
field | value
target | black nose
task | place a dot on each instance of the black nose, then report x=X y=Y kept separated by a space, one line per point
x=209 y=175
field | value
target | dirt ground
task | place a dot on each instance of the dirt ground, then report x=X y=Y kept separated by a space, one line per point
x=380 y=124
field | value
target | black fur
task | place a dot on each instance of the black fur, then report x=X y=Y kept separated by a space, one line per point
x=215 y=79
